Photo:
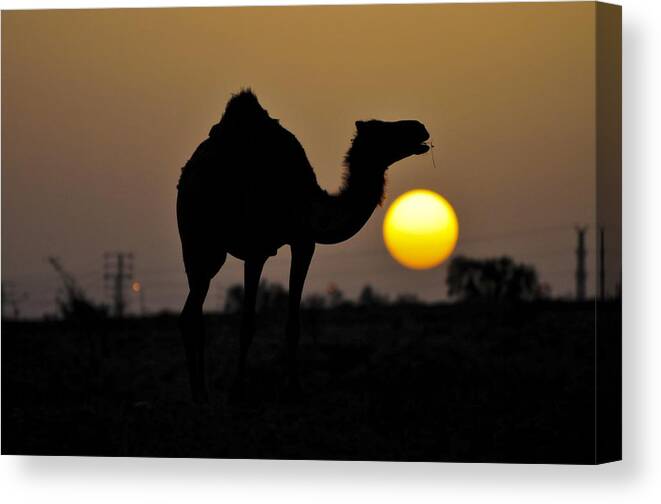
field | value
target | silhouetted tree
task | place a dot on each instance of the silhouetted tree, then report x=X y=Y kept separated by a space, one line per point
x=75 y=305
x=369 y=297
x=313 y=305
x=497 y=279
x=234 y=299
x=314 y=301
x=335 y=296
x=271 y=297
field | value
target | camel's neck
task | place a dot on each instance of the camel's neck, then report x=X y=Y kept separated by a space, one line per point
x=340 y=216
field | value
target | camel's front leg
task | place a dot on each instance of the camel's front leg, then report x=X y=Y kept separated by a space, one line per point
x=252 y=273
x=301 y=255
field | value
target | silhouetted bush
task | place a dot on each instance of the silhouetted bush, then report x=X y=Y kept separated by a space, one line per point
x=270 y=297
x=234 y=299
x=407 y=300
x=314 y=302
x=76 y=307
x=336 y=297
x=369 y=297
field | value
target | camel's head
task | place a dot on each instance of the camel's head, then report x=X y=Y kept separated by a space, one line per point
x=392 y=141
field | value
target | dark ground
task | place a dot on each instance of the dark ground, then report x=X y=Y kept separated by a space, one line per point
x=425 y=383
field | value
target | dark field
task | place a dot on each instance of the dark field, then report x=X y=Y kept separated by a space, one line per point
x=424 y=383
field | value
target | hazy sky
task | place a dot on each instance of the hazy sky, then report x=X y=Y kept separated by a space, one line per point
x=102 y=108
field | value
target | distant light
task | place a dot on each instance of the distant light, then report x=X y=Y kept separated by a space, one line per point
x=136 y=287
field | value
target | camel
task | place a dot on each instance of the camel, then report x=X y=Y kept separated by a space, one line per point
x=247 y=190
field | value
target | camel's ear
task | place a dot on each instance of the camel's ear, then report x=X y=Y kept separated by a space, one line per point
x=360 y=125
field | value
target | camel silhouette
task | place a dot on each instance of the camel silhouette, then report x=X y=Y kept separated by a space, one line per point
x=249 y=189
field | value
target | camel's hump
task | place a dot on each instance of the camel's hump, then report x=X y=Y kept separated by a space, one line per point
x=249 y=141
x=243 y=113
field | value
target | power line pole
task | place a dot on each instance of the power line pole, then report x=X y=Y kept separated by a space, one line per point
x=602 y=266
x=118 y=268
x=581 y=274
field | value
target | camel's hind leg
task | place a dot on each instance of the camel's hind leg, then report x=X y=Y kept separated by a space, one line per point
x=191 y=325
x=301 y=255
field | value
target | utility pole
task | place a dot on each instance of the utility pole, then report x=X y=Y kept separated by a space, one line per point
x=581 y=274
x=117 y=268
x=602 y=265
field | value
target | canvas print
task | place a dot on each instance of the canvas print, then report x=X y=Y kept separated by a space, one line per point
x=376 y=232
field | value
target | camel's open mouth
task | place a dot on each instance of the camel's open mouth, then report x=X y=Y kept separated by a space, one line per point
x=422 y=140
x=422 y=148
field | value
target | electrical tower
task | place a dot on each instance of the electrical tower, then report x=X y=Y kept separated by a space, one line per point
x=117 y=272
x=581 y=274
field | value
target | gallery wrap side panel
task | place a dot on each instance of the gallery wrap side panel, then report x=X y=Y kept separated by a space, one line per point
x=608 y=326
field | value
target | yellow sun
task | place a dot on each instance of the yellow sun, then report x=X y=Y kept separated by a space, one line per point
x=420 y=229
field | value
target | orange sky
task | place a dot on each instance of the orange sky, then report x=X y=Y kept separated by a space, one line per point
x=101 y=108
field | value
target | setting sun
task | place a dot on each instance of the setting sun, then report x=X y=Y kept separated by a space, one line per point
x=420 y=229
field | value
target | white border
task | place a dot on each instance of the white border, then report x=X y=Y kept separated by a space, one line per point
x=71 y=479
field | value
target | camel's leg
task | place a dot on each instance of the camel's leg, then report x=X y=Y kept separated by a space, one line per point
x=301 y=255
x=252 y=273
x=191 y=324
